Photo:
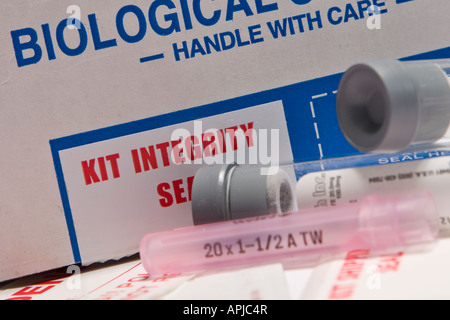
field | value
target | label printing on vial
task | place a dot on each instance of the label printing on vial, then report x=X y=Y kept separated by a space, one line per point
x=334 y=187
x=264 y=243
x=292 y=238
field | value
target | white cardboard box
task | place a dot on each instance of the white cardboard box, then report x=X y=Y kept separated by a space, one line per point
x=82 y=86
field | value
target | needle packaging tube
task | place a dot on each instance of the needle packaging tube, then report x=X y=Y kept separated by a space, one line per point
x=386 y=105
x=300 y=239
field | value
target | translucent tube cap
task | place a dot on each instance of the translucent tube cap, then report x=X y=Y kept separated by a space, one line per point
x=404 y=220
x=385 y=105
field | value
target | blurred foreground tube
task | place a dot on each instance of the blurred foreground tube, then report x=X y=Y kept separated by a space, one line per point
x=300 y=239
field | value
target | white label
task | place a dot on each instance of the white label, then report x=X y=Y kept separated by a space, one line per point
x=389 y=277
x=122 y=188
x=255 y=283
x=329 y=188
x=116 y=281
x=130 y=281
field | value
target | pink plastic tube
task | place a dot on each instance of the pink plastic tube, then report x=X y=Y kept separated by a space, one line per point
x=300 y=239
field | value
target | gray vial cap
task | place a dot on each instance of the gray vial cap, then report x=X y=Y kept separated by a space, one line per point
x=227 y=192
x=385 y=105
x=210 y=194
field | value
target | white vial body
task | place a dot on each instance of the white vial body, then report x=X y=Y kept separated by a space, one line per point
x=248 y=193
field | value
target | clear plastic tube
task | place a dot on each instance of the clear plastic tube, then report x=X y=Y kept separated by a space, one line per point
x=386 y=105
x=302 y=239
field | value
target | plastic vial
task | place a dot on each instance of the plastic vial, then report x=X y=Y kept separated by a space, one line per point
x=386 y=105
x=301 y=239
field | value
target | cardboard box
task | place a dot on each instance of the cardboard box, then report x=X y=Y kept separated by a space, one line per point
x=91 y=95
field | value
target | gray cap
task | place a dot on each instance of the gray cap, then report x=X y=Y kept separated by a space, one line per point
x=226 y=192
x=385 y=105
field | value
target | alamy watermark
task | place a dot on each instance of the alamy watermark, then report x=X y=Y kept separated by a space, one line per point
x=74 y=19
x=374 y=19
x=240 y=144
x=73 y=282
x=373 y=281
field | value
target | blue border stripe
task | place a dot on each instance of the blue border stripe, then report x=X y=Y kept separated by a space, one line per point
x=65 y=203
x=443 y=53
x=164 y=120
